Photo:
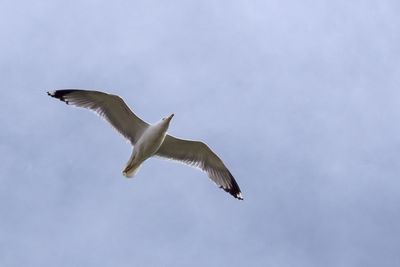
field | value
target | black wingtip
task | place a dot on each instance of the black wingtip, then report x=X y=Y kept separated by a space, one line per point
x=234 y=190
x=234 y=193
x=59 y=94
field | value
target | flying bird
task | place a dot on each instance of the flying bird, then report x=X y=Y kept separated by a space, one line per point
x=150 y=140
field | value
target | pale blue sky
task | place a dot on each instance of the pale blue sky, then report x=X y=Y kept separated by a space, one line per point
x=299 y=98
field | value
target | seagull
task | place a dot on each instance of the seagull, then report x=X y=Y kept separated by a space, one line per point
x=150 y=140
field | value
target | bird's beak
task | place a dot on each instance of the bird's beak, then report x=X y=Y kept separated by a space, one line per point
x=170 y=117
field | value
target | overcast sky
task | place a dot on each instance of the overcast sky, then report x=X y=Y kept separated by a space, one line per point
x=300 y=99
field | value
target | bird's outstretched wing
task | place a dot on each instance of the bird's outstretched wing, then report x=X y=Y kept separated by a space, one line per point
x=111 y=107
x=198 y=154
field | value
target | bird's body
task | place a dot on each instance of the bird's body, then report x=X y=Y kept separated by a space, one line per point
x=151 y=140
x=147 y=145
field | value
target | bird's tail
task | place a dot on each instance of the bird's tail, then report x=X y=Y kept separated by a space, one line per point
x=130 y=172
x=132 y=167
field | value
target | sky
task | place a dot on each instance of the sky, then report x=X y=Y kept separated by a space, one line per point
x=300 y=99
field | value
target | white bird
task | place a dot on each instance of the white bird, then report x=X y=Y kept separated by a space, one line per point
x=150 y=140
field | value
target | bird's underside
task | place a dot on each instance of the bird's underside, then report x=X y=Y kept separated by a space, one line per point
x=151 y=140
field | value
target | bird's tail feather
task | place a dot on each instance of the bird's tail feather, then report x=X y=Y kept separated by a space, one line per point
x=132 y=167
x=130 y=172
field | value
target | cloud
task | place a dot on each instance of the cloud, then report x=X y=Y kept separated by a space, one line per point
x=298 y=99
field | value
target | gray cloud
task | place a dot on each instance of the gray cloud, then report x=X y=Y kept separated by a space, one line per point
x=300 y=100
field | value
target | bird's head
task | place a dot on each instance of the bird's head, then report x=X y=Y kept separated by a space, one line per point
x=167 y=120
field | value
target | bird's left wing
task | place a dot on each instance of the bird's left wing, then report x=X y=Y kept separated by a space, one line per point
x=198 y=154
x=111 y=107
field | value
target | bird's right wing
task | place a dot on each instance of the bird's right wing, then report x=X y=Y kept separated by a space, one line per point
x=198 y=154
x=111 y=107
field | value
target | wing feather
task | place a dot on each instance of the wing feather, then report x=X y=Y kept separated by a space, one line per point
x=198 y=154
x=111 y=107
